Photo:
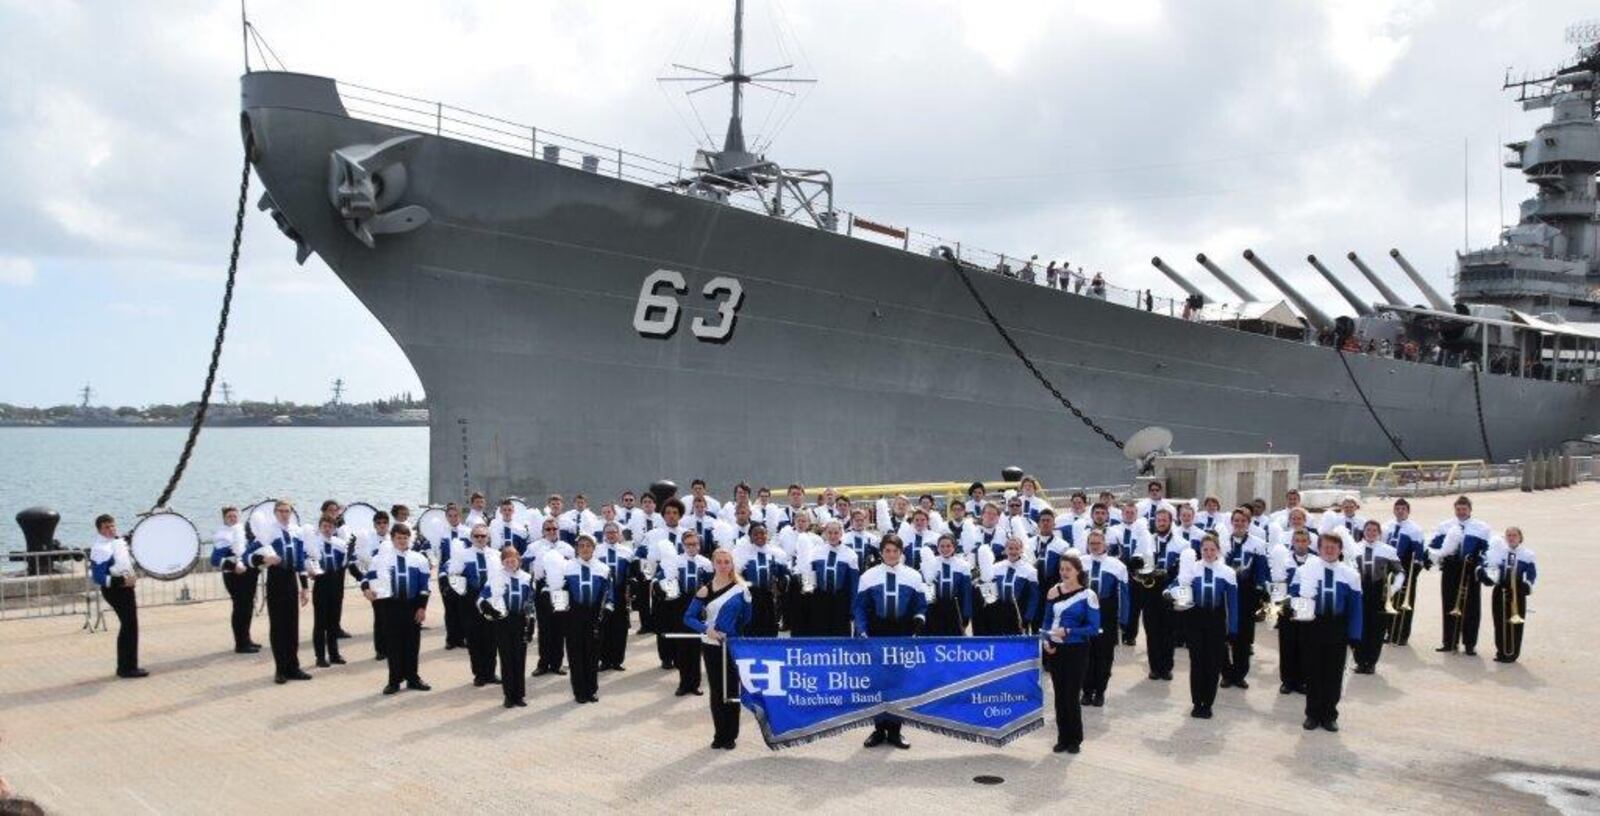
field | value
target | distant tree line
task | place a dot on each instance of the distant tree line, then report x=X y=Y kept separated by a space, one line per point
x=164 y=411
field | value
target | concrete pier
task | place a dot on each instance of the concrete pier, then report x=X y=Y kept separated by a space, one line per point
x=209 y=732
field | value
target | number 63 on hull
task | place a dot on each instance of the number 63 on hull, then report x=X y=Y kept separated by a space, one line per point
x=657 y=312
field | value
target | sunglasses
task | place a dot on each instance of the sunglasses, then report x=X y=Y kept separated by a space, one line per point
x=480 y=538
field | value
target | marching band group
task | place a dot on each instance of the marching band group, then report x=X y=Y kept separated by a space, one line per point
x=1081 y=579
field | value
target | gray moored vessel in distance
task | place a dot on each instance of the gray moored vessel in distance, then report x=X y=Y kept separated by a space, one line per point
x=588 y=319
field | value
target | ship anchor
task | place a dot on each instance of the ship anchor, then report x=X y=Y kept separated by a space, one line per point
x=364 y=181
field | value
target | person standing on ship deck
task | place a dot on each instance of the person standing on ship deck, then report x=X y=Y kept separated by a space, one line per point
x=238 y=577
x=889 y=602
x=280 y=550
x=469 y=571
x=720 y=608
x=111 y=568
x=1409 y=542
x=546 y=561
x=1072 y=622
x=617 y=555
x=331 y=554
x=1458 y=546
x=507 y=601
x=398 y=583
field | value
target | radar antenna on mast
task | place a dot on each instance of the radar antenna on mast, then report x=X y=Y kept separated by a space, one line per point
x=1584 y=33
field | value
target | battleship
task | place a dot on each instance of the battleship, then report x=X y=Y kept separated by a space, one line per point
x=586 y=318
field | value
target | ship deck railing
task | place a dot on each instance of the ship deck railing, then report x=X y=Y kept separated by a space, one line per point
x=47 y=583
x=429 y=116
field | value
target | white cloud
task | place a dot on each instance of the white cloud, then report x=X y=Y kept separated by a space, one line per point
x=17 y=271
x=146 y=311
x=1367 y=37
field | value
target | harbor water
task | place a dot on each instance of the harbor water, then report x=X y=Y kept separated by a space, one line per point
x=81 y=472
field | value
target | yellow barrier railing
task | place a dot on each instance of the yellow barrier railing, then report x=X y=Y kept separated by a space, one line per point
x=949 y=490
x=1419 y=468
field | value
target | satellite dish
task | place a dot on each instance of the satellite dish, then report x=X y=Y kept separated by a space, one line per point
x=1144 y=446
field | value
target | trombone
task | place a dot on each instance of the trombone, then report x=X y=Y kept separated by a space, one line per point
x=1467 y=574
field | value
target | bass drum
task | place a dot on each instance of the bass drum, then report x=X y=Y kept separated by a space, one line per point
x=260 y=515
x=358 y=517
x=519 y=510
x=433 y=526
x=164 y=545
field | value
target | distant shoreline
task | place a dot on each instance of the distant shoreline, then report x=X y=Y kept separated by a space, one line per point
x=208 y=425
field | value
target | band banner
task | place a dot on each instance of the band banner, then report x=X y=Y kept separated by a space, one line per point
x=981 y=689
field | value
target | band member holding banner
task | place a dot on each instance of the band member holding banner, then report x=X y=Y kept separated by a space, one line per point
x=1325 y=596
x=1458 y=547
x=831 y=587
x=586 y=601
x=1379 y=567
x=111 y=568
x=765 y=570
x=469 y=571
x=1071 y=623
x=681 y=577
x=1510 y=569
x=397 y=584
x=332 y=556
x=279 y=549
x=617 y=555
x=1108 y=579
x=951 y=578
x=239 y=578
x=719 y=609
x=507 y=601
x=1409 y=542
x=1205 y=596
x=1246 y=552
x=890 y=601
x=1285 y=563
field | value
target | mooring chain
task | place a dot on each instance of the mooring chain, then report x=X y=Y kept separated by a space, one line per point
x=1483 y=430
x=1017 y=350
x=1373 y=411
x=222 y=329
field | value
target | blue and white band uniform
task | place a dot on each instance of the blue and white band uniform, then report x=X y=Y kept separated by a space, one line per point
x=109 y=560
x=762 y=567
x=1407 y=539
x=1249 y=555
x=1471 y=539
x=1148 y=510
x=1017 y=583
x=836 y=569
x=864 y=544
x=1506 y=560
x=1124 y=541
x=886 y=595
x=475 y=565
x=588 y=583
x=617 y=557
x=1108 y=578
x=1212 y=586
x=952 y=582
x=227 y=546
x=402 y=576
x=728 y=613
x=331 y=554
x=514 y=589
x=690 y=574
x=284 y=542
x=1335 y=590
x=1078 y=613
x=504 y=534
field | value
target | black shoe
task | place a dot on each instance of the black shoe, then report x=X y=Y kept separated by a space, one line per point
x=509 y=703
x=336 y=660
x=1226 y=682
x=1087 y=698
x=618 y=667
x=1197 y=712
x=1241 y=683
x=492 y=680
x=1310 y=724
x=716 y=745
x=667 y=666
x=448 y=646
x=1166 y=675
x=561 y=672
x=730 y=745
x=1331 y=725
x=298 y=674
x=342 y=635
x=1073 y=747
x=1099 y=699
x=133 y=674
x=1155 y=675
x=1060 y=748
x=899 y=742
x=479 y=682
x=681 y=693
x=875 y=739
x=1501 y=659
x=592 y=699
x=540 y=672
x=322 y=663
x=1130 y=642
x=416 y=684
x=250 y=649
x=279 y=679
x=253 y=646
x=1445 y=649
x=1285 y=688
x=520 y=703
x=391 y=688
x=380 y=656
x=1470 y=651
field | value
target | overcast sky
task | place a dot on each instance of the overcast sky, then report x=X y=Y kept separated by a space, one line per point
x=1100 y=132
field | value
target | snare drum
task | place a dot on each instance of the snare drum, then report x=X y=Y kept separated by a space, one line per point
x=519 y=508
x=164 y=545
x=1304 y=609
x=559 y=600
x=358 y=517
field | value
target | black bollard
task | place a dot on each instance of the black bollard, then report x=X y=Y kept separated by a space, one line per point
x=1011 y=474
x=39 y=532
x=662 y=490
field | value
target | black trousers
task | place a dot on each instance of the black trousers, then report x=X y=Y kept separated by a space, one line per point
x=403 y=635
x=686 y=657
x=1102 y=650
x=380 y=633
x=1236 y=657
x=1460 y=629
x=283 y=619
x=1507 y=636
x=724 y=681
x=454 y=625
x=126 y=607
x=1159 y=621
x=241 y=588
x=1140 y=604
x=763 y=612
x=1322 y=654
x=1003 y=617
x=643 y=599
x=1206 y=634
x=668 y=620
x=327 y=609
x=1068 y=667
x=477 y=631
x=1291 y=634
x=511 y=643
x=944 y=619
x=1374 y=624
x=549 y=627
x=795 y=608
x=614 y=635
x=1400 y=626
x=829 y=614
x=581 y=625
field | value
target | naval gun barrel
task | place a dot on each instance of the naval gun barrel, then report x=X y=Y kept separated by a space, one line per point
x=1389 y=295
x=1433 y=297
x=1318 y=319
x=1173 y=275
x=1362 y=309
x=1227 y=280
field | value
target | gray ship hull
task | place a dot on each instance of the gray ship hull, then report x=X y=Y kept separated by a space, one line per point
x=849 y=362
